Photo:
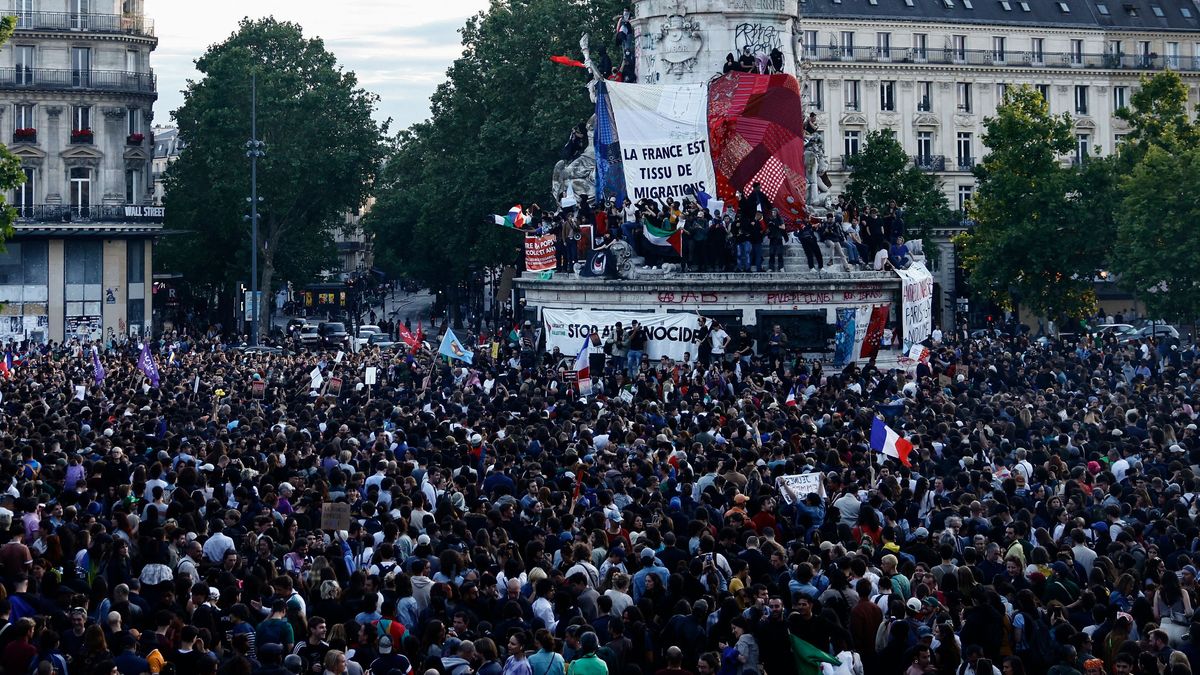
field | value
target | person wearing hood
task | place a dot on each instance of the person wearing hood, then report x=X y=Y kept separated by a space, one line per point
x=463 y=660
x=421 y=583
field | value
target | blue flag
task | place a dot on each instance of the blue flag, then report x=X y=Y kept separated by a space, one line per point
x=147 y=366
x=610 y=175
x=844 y=342
x=453 y=349
x=97 y=367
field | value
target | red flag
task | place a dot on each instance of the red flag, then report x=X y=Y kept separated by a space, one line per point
x=408 y=338
x=578 y=484
x=420 y=331
x=567 y=61
x=879 y=317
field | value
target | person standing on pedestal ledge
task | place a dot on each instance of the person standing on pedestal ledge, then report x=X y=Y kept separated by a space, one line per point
x=812 y=250
x=776 y=231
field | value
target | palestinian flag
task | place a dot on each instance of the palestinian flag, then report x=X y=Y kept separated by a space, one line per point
x=663 y=238
x=515 y=218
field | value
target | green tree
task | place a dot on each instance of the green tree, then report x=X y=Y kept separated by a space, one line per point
x=1033 y=238
x=11 y=174
x=497 y=125
x=1158 y=115
x=323 y=151
x=1158 y=248
x=1155 y=256
x=882 y=172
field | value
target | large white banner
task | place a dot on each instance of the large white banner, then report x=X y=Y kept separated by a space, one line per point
x=670 y=334
x=916 y=289
x=663 y=130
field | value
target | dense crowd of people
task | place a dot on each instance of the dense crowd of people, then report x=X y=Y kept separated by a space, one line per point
x=275 y=513
x=748 y=235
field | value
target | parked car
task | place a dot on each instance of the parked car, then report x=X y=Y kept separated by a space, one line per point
x=263 y=349
x=333 y=334
x=364 y=334
x=382 y=341
x=1116 y=330
x=1158 y=330
x=310 y=336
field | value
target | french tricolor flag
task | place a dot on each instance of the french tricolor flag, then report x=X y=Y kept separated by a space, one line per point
x=890 y=443
x=583 y=371
x=791 y=397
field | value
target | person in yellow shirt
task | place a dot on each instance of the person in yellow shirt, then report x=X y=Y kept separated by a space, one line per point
x=739 y=584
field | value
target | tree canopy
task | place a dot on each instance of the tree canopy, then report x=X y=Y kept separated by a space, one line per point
x=1033 y=240
x=497 y=125
x=1156 y=254
x=882 y=172
x=323 y=151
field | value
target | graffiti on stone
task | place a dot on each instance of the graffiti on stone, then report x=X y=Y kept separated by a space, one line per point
x=760 y=38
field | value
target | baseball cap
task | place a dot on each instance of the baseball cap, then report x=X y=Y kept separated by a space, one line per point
x=913 y=605
x=385 y=645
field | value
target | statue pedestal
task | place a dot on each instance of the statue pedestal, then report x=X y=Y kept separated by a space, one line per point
x=686 y=41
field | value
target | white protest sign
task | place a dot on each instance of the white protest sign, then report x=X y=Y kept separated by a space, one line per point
x=796 y=487
x=80 y=391
x=916 y=290
x=338 y=358
x=370 y=375
x=669 y=335
x=664 y=139
x=626 y=396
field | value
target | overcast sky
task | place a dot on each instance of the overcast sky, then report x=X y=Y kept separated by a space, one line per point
x=400 y=49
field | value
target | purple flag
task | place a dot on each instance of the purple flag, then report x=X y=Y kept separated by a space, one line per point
x=147 y=366
x=97 y=367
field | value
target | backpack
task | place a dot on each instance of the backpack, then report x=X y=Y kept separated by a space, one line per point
x=840 y=606
x=1041 y=648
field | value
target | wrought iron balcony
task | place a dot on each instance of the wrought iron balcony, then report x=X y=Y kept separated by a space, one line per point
x=1013 y=59
x=966 y=164
x=125 y=24
x=108 y=213
x=930 y=162
x=102 y=80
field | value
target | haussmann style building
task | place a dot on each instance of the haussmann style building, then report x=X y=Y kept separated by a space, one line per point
x=76 y=106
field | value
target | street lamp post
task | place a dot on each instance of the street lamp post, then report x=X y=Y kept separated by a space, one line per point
x=254 y=149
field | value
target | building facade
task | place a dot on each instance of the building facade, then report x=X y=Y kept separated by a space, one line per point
x=167 y=146
x=76 y=102
x=931 y=71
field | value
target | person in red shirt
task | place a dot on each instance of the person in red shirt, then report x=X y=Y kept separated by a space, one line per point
x=765 y=517
x=18 y=655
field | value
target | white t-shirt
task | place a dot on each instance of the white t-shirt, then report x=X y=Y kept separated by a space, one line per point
x=718 y=336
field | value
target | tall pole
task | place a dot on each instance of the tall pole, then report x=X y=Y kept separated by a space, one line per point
x=254 y=150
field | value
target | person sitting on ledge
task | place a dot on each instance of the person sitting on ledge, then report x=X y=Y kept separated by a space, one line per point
x=898 y=255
